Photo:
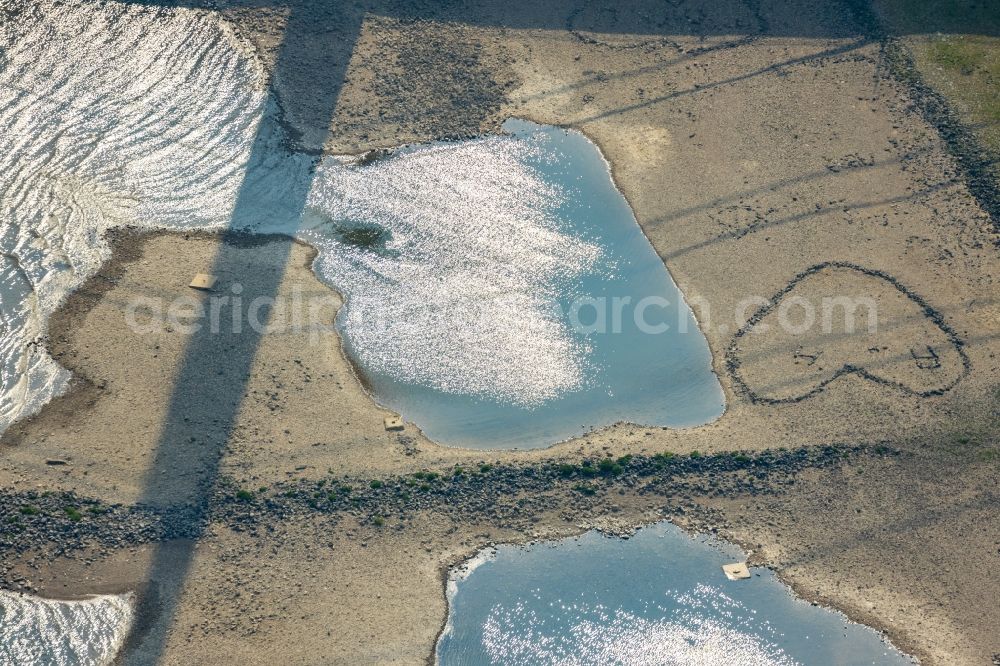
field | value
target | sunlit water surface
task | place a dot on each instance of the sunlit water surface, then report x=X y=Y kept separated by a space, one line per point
x=64 y=633
x=518 y=302
x=659 y=598
x=118 y=114
x=460 y=313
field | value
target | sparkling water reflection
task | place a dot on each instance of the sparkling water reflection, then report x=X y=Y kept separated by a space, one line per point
x=87 y=632
x=659 y=598
x=458 y=299
x=507 y=307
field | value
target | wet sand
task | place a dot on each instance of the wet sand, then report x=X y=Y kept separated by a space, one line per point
x=746 y=164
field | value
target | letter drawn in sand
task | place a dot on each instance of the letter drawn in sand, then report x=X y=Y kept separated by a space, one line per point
x=873 y=327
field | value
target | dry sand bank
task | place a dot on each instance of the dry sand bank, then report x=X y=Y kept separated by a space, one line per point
x=748 y=162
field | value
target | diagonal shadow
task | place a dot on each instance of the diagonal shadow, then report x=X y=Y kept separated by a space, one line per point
x=214 y=373
x=776 y=67
x=736 y=234
x=211 y=382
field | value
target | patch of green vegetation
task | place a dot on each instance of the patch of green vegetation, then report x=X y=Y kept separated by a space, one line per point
x=375 y=484
x=484 y=469
x=609 y=467
x=458 y=471
x=425 y=487
x=364 y=236
x=73 y=513
x=955 y=53
x=587 y=470
x=98 y=510
x=662 y=458
x=566 y=470
x=695 y=454
x=244 y=495
x=952 y=47
x=378 y=521
x=585 y=489
x=988 y=455
x=30 y=510
x=974 y=442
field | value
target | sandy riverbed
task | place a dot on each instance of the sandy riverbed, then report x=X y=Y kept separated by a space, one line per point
x=747 y=163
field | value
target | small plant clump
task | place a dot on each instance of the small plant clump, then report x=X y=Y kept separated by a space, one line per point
x=375 y=484
x=609 y=467
x=364 y=236
x=244 y=495
x=73 y=513
x=662 y=458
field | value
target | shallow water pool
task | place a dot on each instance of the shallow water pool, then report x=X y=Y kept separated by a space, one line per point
x=499 y=290
x=659 y=598
x=516 y=302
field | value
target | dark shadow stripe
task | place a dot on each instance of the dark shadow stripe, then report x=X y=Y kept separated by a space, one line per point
x=186 y=462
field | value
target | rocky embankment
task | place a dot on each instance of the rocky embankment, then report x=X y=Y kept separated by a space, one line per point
x=39 y=526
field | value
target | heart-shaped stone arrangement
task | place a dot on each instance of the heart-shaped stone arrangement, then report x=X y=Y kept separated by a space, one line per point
x=837 y=319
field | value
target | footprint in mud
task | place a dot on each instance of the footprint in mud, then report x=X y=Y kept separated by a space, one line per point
x=836 y=319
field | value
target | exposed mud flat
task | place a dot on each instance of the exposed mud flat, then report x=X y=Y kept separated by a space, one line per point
x=750 y=151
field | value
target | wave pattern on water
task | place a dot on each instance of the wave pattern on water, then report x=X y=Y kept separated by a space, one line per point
x=110 y=114
x=679 y=636
x=116 y=114
x=460 y=298
x=659 y=597
x=68 y=633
